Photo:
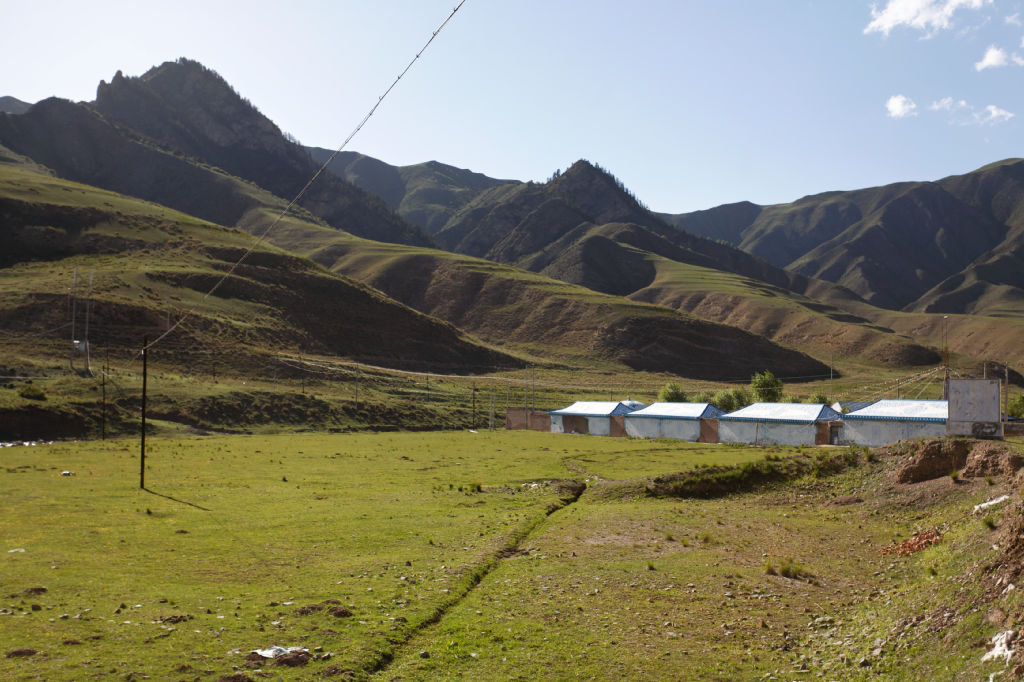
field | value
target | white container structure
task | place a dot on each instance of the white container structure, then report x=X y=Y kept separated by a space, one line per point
x=780 y=424
x=598 y=418
x=890 y=421
x=680 y=421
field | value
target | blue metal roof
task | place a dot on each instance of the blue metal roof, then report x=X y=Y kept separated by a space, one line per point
x=788 y=413
x=678 y=411
x=606 y=408
x=936 y=411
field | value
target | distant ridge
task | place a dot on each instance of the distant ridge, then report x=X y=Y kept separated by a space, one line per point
x=12 y=105
x=426 y=194
x=952 y=246
x=190 y=108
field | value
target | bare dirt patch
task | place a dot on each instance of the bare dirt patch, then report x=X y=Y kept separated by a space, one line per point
x=930 y=459
x=992 y=458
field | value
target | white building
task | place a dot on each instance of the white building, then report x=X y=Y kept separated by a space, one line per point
x=599 y=418
x=890 y=421
x=681 y=421
x=780 y=424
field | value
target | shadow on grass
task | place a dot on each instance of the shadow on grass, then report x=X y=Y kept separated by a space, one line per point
x=175 y=499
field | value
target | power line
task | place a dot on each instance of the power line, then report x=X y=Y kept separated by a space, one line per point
x=305 y=188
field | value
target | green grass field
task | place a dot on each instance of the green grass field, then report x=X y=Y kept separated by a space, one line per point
x=461 y=555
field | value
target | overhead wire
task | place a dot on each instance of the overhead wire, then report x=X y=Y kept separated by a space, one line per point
x=323 y=167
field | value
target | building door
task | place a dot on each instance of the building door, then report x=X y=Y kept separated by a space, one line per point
x=574 y=423
x=708 y=431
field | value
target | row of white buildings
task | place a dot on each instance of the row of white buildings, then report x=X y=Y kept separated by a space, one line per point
x=878 y=423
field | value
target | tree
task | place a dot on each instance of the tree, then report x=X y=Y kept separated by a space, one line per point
x=703 y=397
x=672 y=393
x=723 y=400
x=1016 y=407
x=820 y=397
x=766 y=387
x=740 y=398
x=731 y=399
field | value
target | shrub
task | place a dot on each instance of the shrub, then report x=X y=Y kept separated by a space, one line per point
x=1016 y=407
x=704 y=397
x=731 y=399
x=766 y=387
x=672 y=393
x=32 y=392
x=989 y=522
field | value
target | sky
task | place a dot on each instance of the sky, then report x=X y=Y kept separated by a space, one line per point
x=690 y=104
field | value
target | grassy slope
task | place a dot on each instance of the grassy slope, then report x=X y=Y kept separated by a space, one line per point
x=546 y=318
x=149 y=260
x=678 y=589
x=783 y=316
x=614 y=586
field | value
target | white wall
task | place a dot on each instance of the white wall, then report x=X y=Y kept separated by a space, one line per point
x=874 y=433
x=681 y=429
x=599 y=426
x=974 y=408
x=643 y=427
x=653 y=427
x=766 y=433
x=556 y=424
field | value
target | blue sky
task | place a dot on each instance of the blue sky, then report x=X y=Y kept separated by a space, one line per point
x=691 y=104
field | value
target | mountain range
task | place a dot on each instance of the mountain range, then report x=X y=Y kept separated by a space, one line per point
x=572 y=268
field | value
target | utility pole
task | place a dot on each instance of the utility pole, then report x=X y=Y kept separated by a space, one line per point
x=533 y=391
x=831 y=364
x=142 y=439
x=945 y=356
x=491 y=419
x=103 y=389
x=474 y=403
x=1006 y=391
x=88 y=306
x=74 y=314
x=358 y=376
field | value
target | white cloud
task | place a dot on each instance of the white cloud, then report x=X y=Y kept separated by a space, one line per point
x=1013 y=20
x=948 y=104
x=1017 y=59
x=900 y=106
x=925 y=15
x=994 y=57
x=992 y=115
x=964 y=114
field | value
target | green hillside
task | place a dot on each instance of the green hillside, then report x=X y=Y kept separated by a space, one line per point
x=949 y=246
x=543 y=318
x=153 y=265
